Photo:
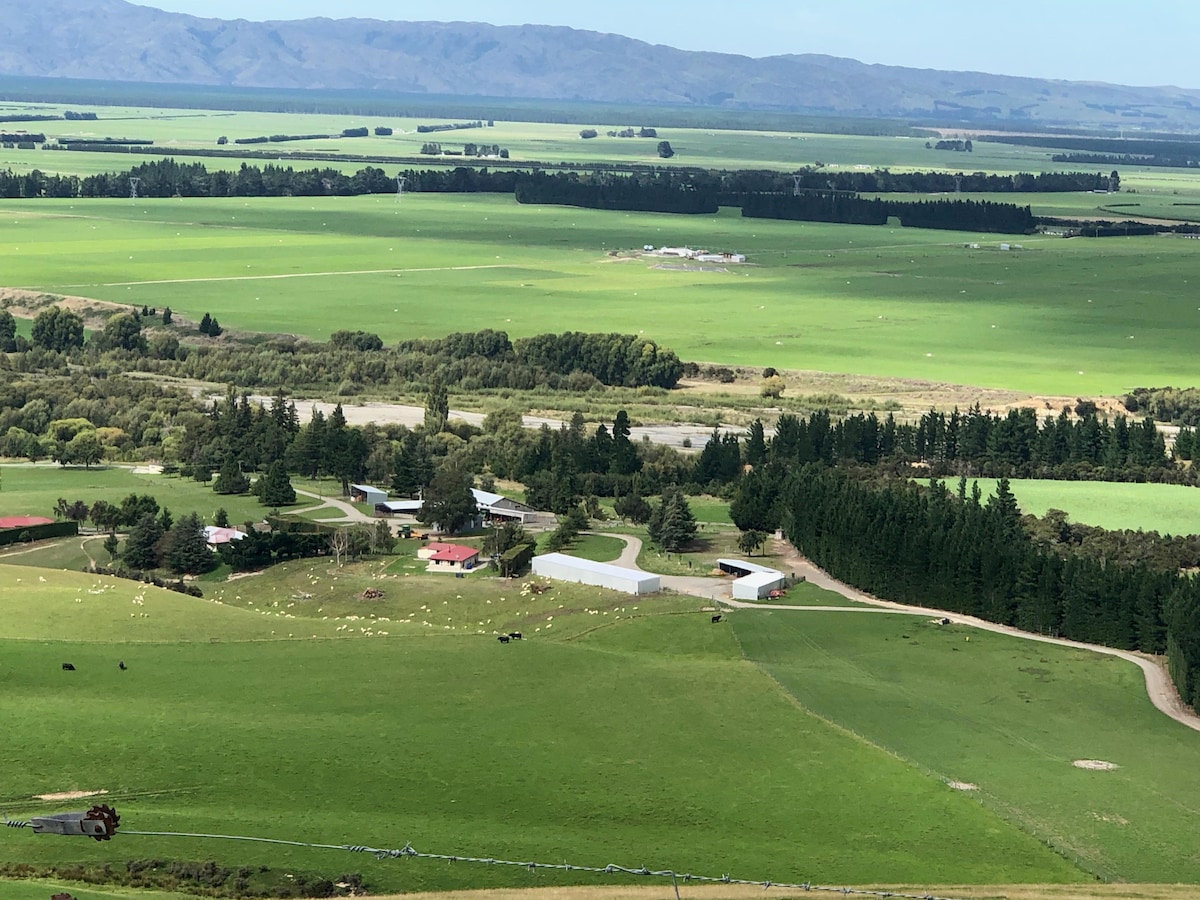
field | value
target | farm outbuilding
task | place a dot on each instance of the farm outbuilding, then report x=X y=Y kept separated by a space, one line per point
x=562 y=567
x=753 y=582
x=398 y=507
x=741 y=567
x=364 y=493
x=492 y=508
x=758 y=585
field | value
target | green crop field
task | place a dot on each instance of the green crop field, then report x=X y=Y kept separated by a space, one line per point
x=1065 y=317
x=1006 y=719
x=1165 y=508
x=459 y=744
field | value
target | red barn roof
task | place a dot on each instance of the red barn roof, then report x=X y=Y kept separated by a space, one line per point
x=24 y=521
x=453 y=553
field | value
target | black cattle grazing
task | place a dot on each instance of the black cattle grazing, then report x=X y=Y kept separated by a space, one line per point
x=67 y=667
x=944 y=622
x=121 y=665
x=716 y=619
x=504 y=638
x=515 y=635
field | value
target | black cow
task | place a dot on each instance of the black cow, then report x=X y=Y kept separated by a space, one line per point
x=121 y=665
x=716 y=619
x=504 y=638
x=67 y=667
x=515 y=635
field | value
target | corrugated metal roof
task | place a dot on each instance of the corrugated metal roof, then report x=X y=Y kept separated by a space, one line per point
x=453 y=553
x=747 y=566
x=486 y=498
x=597 y=568
x=760 y=579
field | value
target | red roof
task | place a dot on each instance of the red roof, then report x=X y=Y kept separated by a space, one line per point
x=23 y=521
x=453 y=553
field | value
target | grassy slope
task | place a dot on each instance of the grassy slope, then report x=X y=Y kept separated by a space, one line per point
x=1166 y=508
x=459 y=744
x=879 y=301
x=45 y=605
x=1009 y=717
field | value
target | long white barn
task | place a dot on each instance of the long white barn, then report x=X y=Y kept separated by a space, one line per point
x=562 y=567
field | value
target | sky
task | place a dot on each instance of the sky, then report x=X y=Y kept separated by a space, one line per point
x=1150 y=42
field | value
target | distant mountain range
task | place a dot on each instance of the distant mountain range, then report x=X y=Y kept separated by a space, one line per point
x=120 y=41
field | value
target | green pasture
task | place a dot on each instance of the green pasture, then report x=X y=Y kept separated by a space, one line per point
x=73 y=553
x=1071 y=317
x=190 y=129
x=40 y=890
x=805 y=594
x=525 y=141
x=50 y=605
x=594 y=749
x=1009 y=718
x=598 y=547
x=33 y=490
x=418 y=604
x=1165 y=508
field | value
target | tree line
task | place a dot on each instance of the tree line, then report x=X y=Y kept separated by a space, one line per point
x=835 y=206
x=950 y=550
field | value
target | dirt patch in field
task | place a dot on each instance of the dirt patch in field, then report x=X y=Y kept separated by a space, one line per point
x=1095 y=765
x=69 y=795
x=963 y=785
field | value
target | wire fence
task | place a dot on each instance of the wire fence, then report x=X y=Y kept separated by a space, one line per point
x=676 y=878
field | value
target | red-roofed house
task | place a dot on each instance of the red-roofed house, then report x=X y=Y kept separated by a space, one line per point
x=449 y=557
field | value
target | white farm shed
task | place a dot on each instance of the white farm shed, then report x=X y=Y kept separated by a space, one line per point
x=757 y=585
x=562 y=567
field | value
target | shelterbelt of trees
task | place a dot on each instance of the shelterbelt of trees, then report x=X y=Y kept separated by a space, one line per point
x=830 y=487
x=817 y=196
x=348 y=362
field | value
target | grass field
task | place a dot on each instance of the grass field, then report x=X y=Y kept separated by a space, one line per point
x=587 y=741
x=34 y=490
x=1165 y=508
x=872 y=301
x=1009 y=718
x=459 y=744
x=732 y=149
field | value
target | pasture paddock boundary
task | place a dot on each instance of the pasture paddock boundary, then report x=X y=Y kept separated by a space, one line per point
x=408 y=852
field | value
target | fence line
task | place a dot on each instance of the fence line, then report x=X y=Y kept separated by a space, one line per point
x=407 y=852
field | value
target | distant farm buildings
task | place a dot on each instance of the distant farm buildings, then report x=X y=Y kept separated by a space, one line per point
x=697 y=255
x=492 y=508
